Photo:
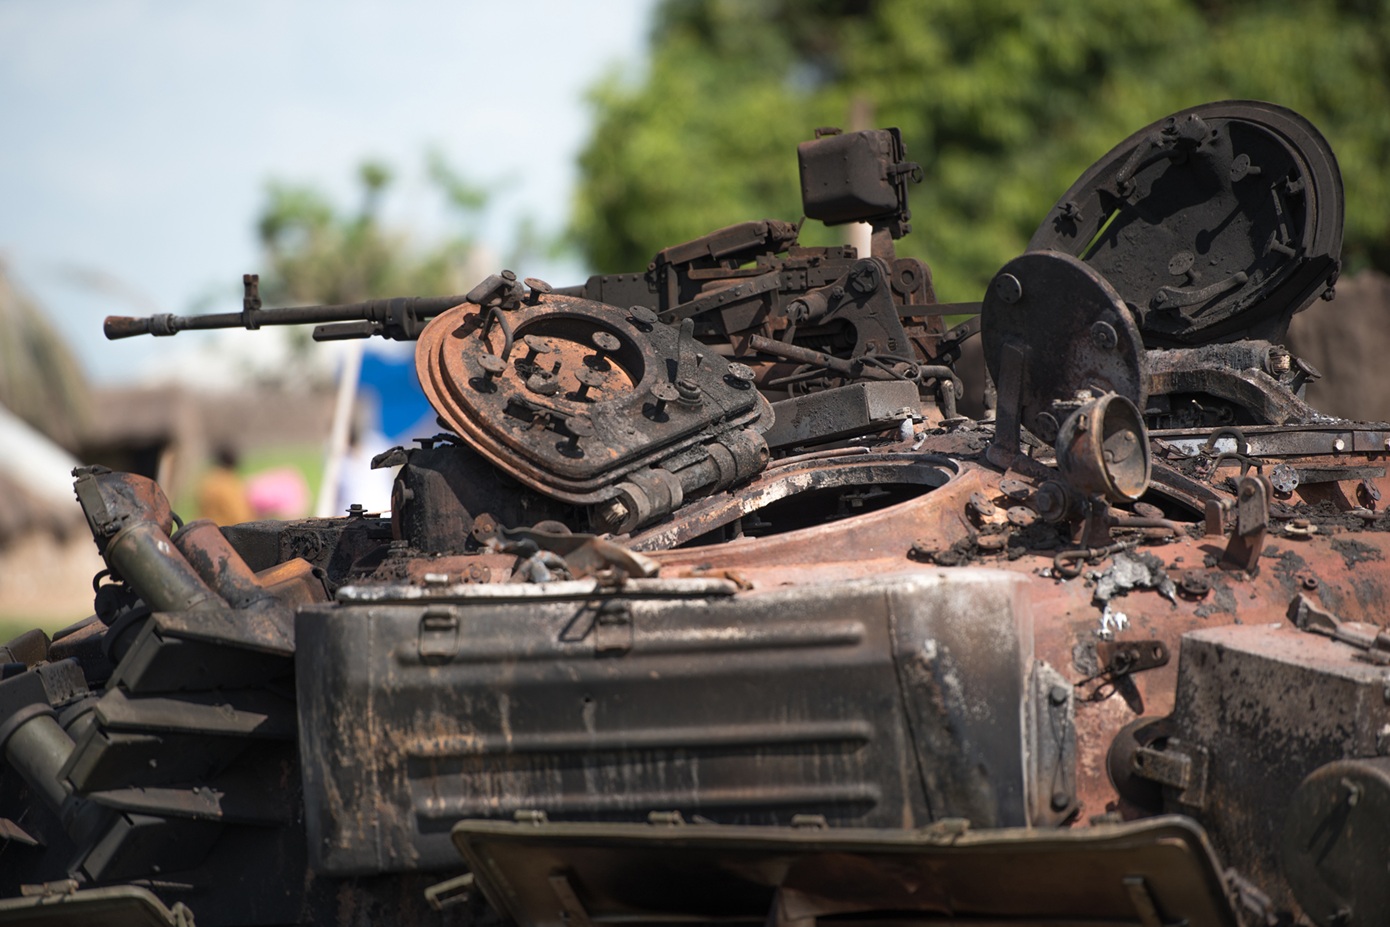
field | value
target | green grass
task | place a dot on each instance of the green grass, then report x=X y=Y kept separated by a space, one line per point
x=12 y=626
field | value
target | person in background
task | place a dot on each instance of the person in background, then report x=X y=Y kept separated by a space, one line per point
x=221 y=493
x=280 y=492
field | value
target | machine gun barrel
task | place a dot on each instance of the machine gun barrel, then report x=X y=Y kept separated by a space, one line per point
x=398 y=318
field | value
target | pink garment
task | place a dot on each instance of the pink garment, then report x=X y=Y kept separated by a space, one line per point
x=278 y=493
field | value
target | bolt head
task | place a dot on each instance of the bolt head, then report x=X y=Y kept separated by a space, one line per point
x=1050 y=501
x=1008 y=288
x=980 y=504
x=741 y=373
x=1195 y=584
x=689 y=392
x=1020 y=516
x=1015 y=489
x=611 y=514
x=543 y=383
x=590 y=377
x=1283 y=478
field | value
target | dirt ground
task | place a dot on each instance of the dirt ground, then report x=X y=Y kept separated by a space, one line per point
x=46 y=582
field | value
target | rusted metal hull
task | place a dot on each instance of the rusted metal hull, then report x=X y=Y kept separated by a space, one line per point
x=712 y=608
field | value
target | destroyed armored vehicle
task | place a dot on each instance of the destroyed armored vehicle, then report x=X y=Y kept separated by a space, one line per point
x=731 y=593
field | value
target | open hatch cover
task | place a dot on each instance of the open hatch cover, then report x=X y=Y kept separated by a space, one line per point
x=1215 y=224
x=1160 y=870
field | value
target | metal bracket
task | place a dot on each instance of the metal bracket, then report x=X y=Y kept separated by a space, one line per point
x=1053 y=747
x=1144 y=905
x=49 y=889
x=1252 y=523
x=1177 y=768
x=439 y=635
x=450 y=892
x=1374 y=643
x=1240 y=455
x=1122 y=658
x=1013 y=365
x=613 y=628
x=250 y=300
x=89 y=496
x=571 y=907
x=10 y=831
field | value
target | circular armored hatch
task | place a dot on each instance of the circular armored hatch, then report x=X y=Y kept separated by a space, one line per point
x=1216 y=223
x=1070 y=330
x=567 y=395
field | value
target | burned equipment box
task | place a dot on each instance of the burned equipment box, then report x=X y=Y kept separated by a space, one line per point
x=682 y=695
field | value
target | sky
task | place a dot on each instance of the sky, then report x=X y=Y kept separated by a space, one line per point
x=138 y=137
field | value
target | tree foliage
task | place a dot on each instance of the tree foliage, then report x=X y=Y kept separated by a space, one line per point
x=319 y=252
x=1004 y=103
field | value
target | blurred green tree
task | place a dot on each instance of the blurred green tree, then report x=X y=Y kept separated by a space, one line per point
x=317 y=252
x=1004 y=103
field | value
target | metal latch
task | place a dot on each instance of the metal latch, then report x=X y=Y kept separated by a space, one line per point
x=1373 y=643
x=1252 y=523
x=439 y=635
x=1119 y=659
x=450 y=892
x=1182 y=767
x=572 y=910
x=613 y=627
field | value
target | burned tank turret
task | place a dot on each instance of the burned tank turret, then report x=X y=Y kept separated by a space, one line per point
x=720 y=597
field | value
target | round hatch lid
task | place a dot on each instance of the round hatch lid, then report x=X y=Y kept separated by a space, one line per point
x=1067 y=330
x=569 y=396
x=1215 y=224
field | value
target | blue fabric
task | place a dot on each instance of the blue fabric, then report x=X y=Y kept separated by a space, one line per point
x=402 y=405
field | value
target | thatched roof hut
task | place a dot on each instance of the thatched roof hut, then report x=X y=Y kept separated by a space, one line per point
x=41 y=381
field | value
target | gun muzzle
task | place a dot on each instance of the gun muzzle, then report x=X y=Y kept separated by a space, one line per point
x=121 y=326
